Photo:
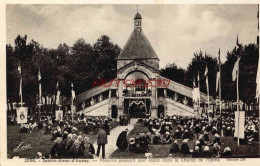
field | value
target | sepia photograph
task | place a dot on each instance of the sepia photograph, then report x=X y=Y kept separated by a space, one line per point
x=132 y=81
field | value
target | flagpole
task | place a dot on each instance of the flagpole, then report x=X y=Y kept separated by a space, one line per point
x=21 y=86
x=238 y=105
x=72 y=107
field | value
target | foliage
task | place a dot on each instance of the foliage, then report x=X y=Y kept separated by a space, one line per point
x=78 y=64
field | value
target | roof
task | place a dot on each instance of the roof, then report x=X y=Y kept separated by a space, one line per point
x=137 y=47
x=138 y=16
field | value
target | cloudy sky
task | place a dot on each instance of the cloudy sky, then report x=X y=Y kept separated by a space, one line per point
x=175 y=31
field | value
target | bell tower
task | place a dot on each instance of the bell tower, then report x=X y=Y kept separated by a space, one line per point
x=138 y=20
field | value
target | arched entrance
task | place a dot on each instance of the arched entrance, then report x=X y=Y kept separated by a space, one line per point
x=137 y=109
x=114 y=111
x=160 y=111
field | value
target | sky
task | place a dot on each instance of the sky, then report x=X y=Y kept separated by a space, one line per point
x=176 y=32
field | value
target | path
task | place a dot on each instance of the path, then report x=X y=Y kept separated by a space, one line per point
x=112 y=138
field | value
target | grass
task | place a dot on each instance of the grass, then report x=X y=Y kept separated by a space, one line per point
x=39 y=141
x=162 y=151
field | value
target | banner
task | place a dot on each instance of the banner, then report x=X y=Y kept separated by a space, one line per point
x=210 y=113
x=59 y=115
x=239 y=124
x=22 y=114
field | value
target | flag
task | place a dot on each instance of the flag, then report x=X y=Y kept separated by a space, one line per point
x=239 y=124
x=237 y=40
x=39 y=75
x=40 y=86
x=198 y=78
x=206 y=74
x=218 y=73
x=58 y=98
x=20 y=90
x=217 y=80
x=258 y=83
x=196 y=94
x=73 y=95
x=194 y=84
x=57 y=86
x=19 y=68
x=235 y=69
x=72 y=85
x=40 y=93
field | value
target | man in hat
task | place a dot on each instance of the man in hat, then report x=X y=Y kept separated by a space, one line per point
x=101 y=141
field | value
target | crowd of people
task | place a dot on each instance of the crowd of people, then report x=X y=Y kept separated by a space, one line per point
x=201 y=133
x=197 y=136
x=70 y=138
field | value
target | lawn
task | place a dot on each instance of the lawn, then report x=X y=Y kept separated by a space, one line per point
x=162 y=151
x=39 y=141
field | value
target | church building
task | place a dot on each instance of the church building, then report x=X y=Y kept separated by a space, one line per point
x=139 y=62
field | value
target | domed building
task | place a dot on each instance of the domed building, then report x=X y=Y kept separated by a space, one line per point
x=139 y=89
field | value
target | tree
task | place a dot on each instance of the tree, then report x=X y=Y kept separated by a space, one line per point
x=247 y=73
x=174 y=73
x=198 y=63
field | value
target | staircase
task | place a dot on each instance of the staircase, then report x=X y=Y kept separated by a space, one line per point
x=98 y=109
x=176 y=108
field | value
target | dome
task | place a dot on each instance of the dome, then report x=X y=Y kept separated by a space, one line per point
x=138 y=16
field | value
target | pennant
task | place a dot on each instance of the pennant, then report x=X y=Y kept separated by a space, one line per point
x=198 y=76
x=206 y=71
x=40 y=93
x=194 y=85
x=58 y=98
x=39 y=75
x=73 y=95
x=219 y=62
x=19 y=68
x=237 y=40
x=217 y=80
x=235 y=69
x=206 y=74
x=20 y=89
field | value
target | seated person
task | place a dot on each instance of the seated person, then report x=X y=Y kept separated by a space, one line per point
x=175 y=148
x=206 y=136
x=177 y=134
x=185 y=147
x=216 y=139
x=216 y=149
x=157 y=139
x=89 y=149
x=201 y=139
x=134 y=147
x=227 y=152
x=76 y=150
x=186 y=134
x=58 y=149
x=228 y=131
x=148 y=137
x=206 y=153
x=143 y=142
x=166 y=138
x=196 y=152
